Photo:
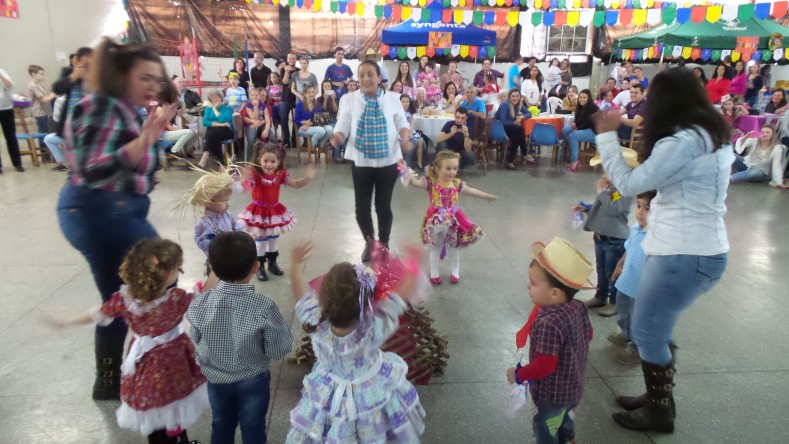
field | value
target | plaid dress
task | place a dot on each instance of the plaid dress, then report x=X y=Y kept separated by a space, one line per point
x=371 y=134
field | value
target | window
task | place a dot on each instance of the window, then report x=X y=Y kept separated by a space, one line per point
x=567 y=39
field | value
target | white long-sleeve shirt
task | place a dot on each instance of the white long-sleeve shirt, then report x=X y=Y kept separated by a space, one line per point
x=6 y=94
x=531 y=92
x=350 y=110
x=769 y=161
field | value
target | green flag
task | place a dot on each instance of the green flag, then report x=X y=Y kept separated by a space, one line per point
x=599 y=18
x=536 y=18
x=669 y=14
x=478 y=18
x=767 y=55
x=745 y=12
x=491 y=51
x=402 y=53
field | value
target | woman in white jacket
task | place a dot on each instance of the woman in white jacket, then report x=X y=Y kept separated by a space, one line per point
x=531 y=88
x=759 y=159
x=374 y=122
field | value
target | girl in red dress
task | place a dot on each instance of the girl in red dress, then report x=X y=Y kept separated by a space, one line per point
x=162 y=389
x=266 y=218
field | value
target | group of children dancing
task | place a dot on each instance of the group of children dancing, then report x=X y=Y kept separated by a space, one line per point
x=355 y=392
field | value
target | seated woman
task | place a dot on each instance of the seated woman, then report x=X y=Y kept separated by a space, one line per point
x=732 y=112
x=218 y=123
x=328 y=103
x=777 y=103
x=511 y=114
x=582 y=129
x=420 y=103
x=762 y=158
x=318 y=132
x=178 y=131
x=449 y=103
x=257 y=121
x=571 y=101
x=419 y=142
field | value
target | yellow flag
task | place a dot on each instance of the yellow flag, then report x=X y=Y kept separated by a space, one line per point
x=512 y=18
x=538 y=4
x=686 y=52
x=639 y=17
x=714 y=13
x=422 y=3
x=464 y=50
x=462 y=3
x=572 y=17
x=316 y=6
x=360 y=9
x=458 y=16
x=406 y=14
x=420 y=51
x=735 y=55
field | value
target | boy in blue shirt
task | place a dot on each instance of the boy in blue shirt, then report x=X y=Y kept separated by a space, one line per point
x=625 y=278
x=339 y=73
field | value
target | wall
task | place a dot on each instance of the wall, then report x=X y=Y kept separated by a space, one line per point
x=46 y=27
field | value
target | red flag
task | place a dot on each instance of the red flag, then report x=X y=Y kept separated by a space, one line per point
x=698 y=14
x=625 y=17
x=560 y=18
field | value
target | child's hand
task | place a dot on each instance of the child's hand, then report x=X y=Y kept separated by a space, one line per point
x=51 y=322
x=300 y=253
x=310 y=173
x=579 y=208
x=615 y=275
x=511 y=375
x=490 y=198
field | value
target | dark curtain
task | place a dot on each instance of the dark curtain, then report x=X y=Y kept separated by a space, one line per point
x=604 y=37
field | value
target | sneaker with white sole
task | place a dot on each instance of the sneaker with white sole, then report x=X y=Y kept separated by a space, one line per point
x=628 y=355
x=618 y=338
x=607 y=311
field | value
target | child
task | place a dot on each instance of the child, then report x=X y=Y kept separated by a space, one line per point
x=162 y=389
x=560 y=334
x=212 y=193
x=445 y=227
x=274 y=89
x=490 y=92
x=257 y=120
x=607 y=218
x=419 y=143
x=430 y=81
x=238 y=332
x=266 y=218
x=355 y=392
x=235 y=95
x=625 y=279
x=41 y=107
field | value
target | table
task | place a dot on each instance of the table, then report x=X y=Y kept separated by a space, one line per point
x=431 y=125
x=556 y=120
x=747 y=123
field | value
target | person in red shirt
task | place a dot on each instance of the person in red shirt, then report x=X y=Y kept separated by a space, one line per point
x=719 y=85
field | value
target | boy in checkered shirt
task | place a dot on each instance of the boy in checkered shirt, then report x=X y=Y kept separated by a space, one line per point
x=238 y=332
x=560 y=334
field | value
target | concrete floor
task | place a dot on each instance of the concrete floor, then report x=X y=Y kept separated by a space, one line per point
x=733 y=372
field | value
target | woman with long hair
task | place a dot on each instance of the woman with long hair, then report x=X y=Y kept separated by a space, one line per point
x=777 y=103
x=739 y=82
x=687 y=159
x=759 y=156
x=531 y=88
x=450 y=99
x=405 y=77
x=719 y=85
x=511 y=114
x=582 y=129
x=240 y=68
x=699 y=73
x=755 y=85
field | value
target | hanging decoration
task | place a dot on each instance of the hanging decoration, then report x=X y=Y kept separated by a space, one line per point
x=9 y=9
x=414 y=52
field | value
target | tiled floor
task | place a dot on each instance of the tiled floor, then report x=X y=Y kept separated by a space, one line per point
x=733 y=373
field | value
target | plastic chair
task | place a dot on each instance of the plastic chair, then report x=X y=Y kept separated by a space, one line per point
x=544 y=134
x=498 y=139
x=554 y=104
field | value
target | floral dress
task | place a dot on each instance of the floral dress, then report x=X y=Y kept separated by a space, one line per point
x=444 y=212
x=431 y=85
x=162 y=386
x=266 y=216
x=356 y=393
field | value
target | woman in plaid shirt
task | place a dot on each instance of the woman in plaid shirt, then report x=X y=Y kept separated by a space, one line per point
x=112 y=157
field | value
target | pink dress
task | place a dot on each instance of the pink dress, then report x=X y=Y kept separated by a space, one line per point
x=431 y=85
x=444 y=210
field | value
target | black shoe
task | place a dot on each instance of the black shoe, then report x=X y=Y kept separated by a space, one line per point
x=1 y=170
x=20 y=169
x=273 y=268
x=60 y=167
x=366 y=253
x=261 y=274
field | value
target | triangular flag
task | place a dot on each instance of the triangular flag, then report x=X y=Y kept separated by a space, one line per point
x=512 y=18
x=683 y=15
x=766 y=55
x=524 y=18
x=573 y=17
x=735 y=56
x=483 y=52
x=416 y=14
x=560 y=19
x=420 y=51
x=677 y=52
x=669 y=14
x=473 y=51
x=402 y=52
x=698 y=14
x=715 y=56
x=625 y=16
x=501 y=17
x=730 y=12
x=745 y=12
x=455 y=50
x=762 y=10
x=407 y=11
x=430 y=51
x=477 y=18
x=706 y=54
x=599 y=18
x=653 y=17
x=778 y=54
x=411 y=51
x=468 y=16
x=489 y=17
x=457 y=16
x=695 y=54
x=639 y=17
x=714 y=13
x=586 y=16
x=464 y=50
x=446 y=16
x=491 y=51
x=779 y=10
x=536 y=18
x=611 y=17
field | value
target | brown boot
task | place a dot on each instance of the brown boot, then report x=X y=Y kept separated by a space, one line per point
x=634 y=402
x=656 y=414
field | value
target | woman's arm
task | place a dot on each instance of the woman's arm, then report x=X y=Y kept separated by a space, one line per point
x=777 y=166
x=295 y=91
x=267 y=128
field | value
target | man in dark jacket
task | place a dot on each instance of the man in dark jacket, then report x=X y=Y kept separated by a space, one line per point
x=71 y=85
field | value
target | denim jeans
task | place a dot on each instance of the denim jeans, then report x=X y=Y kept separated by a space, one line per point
x=252 y=135
x=624 y=132
x=553 y=424
x=668 y=285
x=574 y=137
x=53 y=142
x=624 y=312
x=284 y=117
x=319 y=134
x=104 y=226
x=243 y=403
x=181 y=137
x=607 y=252
x=744 y=174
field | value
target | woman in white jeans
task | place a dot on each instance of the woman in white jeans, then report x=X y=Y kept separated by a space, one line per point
x=175 y=132
x=304 y=112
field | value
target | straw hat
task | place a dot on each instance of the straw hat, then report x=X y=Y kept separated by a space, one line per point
x=564 y=262
x=630 y=155
x=372 y=52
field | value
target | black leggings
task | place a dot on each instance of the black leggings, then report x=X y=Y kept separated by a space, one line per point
x=381 y=180
x=517 y=139
x=9 y=131
x=214 y=136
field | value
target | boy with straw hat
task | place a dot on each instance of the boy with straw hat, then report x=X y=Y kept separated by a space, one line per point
x=560 y=333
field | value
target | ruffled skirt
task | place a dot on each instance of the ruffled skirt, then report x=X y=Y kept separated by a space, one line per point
x=461 y=231
x=181 y=413
x=266 y=221
x=387 y=408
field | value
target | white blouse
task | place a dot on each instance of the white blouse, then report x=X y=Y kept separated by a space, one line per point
x=530 y=91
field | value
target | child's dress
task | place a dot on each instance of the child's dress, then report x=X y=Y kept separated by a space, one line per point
x=356 y=393
x=431 y=84
x=162 y=386
x=444 y=214
x=266 y=216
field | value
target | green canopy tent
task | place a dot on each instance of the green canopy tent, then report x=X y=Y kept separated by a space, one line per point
x=719 y=35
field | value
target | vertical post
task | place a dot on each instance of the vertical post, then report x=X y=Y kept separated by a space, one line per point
x=284 y=30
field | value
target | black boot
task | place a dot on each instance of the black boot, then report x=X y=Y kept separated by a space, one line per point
x=633 y=402
x=109 y=353
x=262 y=275
x=271 y=257
x=160 y=437
x=656 y=415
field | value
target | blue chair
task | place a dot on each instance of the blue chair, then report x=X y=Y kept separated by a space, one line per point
x=544 y=134
x=28 y=137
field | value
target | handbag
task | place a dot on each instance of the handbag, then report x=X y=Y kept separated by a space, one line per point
x=321 y=118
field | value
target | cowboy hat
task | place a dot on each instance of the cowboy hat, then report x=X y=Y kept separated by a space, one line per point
x=371 y=51
x=630 y=155
x=564 y=262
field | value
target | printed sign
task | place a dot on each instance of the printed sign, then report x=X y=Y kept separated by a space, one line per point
x=9 y=9
x=440 y=40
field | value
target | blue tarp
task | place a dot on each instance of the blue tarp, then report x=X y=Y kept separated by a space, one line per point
x=410 y=33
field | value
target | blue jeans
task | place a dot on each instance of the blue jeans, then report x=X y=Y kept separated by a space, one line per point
x=243 y=403
x=624 y=312
x=284 y=117
x=607 y=252
x=574 y=137
x=744 y=174
x=53 y=142
x=103 y=226
x=319 y=134
x=553 y=424
x=668 y=285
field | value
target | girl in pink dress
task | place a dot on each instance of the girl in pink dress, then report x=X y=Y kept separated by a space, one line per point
x=445 y=227
x=430 y=81
x=265 y=219
x=162 y=389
